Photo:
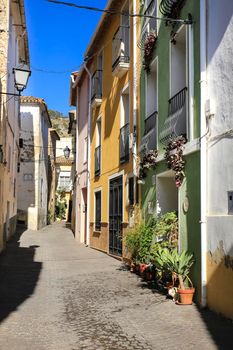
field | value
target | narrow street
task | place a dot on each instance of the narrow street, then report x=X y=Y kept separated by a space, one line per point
x=58 y=294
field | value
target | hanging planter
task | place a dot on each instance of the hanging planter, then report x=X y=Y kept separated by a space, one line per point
x=149 y=46
x=148 y=161
x=174 y=158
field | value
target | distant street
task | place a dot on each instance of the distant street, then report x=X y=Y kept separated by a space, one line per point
x=56 y=294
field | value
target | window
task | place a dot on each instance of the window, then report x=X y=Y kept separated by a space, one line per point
x=131 y=190
x=9 y=158
x=85 y=151
x=98 y=211
x=124 y=131
x=27 y=177
x=150 y=9
x=151 y=106
x=98 y=148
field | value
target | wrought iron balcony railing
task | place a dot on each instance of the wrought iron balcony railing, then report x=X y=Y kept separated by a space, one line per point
x=171 y=8
x=176 y=122
x=150 y=122
x=177 y=101
x=97 y=160
x=120 y=47
x=96 y=85
x=124 y=143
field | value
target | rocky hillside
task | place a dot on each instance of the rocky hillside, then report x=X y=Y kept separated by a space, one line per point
x=59 y=122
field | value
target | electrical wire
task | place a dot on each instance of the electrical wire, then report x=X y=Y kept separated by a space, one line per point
x=113 y=12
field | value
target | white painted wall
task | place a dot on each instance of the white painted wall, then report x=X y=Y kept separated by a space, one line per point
x=33 y=195
x=220 y=138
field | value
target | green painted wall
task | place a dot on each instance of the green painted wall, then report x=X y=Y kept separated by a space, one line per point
x=189 y=222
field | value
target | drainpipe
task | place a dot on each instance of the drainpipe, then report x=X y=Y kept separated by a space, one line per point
x=135 y=88
x=76 y=158
x=88 y=157
x=203 y=144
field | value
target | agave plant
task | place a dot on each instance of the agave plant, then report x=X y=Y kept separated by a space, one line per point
x=178 y=264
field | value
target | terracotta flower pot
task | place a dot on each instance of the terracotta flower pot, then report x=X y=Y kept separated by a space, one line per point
x=186 y=296
x=143 y=267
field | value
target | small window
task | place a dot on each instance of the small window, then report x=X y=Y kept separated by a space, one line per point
x=131 y=191
x=27 y=177
x=98 y=211
x=85 y=151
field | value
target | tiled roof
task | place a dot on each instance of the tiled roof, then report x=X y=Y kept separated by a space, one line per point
x=31 y=99
x=62 y=160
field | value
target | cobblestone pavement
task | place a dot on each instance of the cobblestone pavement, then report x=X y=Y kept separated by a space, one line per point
x=58 y=294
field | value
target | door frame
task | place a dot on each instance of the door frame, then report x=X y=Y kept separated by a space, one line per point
x=112 y=177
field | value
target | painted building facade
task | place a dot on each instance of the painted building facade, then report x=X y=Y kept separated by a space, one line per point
x=79 y=97
x=219 y=183
x=33 y=175
x=186 y=92
x=14 y=53
x=72 y=133
x=169 y=108
x=110 y=61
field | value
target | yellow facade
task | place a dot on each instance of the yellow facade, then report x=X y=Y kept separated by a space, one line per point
x=110 y=113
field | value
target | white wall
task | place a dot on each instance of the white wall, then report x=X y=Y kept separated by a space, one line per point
x=34 y=195
x=220 y=145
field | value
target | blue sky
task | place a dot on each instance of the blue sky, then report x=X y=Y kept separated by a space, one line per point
x=58 y=37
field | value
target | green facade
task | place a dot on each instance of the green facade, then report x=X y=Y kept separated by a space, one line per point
x=189 y=192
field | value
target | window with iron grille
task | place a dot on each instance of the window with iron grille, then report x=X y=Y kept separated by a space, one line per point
x=98 y=211
x=131 y=191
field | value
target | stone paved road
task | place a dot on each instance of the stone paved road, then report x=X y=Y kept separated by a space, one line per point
x=57 y=294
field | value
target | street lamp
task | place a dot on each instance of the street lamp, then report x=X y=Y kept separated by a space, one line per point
x=21 y=76
x=66 y=152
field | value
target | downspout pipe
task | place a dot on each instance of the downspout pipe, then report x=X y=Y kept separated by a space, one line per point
x=77 y=234
x=134 y=89
x=203 y=151
x=88 y=157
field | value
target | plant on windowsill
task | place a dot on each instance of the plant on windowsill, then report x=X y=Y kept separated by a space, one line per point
x=149 y=46
x=148 y=161
x=175 y=160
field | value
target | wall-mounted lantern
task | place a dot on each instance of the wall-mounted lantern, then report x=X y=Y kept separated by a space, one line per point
x=66 y=152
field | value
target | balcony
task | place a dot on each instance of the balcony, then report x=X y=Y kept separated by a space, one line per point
x=124 y=143
x=171 y=8
x=149 y=140
x=96 y=88
x=176 y=122
x=97 y=160
x=120 y=52
x=150 y=122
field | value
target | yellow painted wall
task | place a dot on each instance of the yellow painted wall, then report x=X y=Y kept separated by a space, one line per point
x=109 y=111
x=220 y=283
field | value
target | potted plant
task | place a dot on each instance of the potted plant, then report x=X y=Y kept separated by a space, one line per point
x=179 y=264
x=131 y=241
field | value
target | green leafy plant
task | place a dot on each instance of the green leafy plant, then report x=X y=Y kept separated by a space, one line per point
x=60 y=205
x=138 y=241
x=177 y=264
x=166 y=229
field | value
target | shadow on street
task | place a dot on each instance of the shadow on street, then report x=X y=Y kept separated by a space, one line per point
x=18 y=274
